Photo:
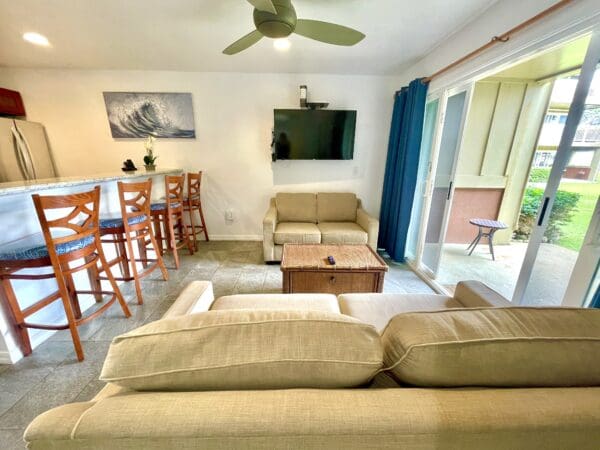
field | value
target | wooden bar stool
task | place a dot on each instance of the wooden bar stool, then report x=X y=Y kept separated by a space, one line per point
x=193 y=203
x=133 y=225
x=63 y=242
x=168 y=215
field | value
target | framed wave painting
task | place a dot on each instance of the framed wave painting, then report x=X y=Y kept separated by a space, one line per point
x=137 y=115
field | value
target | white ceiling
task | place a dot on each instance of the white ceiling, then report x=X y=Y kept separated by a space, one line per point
x=189 y=35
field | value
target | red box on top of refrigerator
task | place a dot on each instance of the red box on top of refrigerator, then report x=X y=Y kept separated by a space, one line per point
x=11 y=103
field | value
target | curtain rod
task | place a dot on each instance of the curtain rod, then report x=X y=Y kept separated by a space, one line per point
x=502 y=38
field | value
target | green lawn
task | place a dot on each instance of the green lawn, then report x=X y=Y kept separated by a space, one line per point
x=573 y=233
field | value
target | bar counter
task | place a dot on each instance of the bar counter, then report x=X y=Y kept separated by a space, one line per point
x=36 y=186
x=18 y=219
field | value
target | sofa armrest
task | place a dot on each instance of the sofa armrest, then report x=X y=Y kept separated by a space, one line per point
x=51 y=428
x=474 y=294
x=370 y=225
x=269 y=225
x=270 y=220
x=196 y=297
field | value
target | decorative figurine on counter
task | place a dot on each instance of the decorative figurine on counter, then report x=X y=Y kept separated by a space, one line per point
x=128 y=166
x=149 y=158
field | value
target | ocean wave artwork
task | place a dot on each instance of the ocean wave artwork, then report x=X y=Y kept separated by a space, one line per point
x=135 y=115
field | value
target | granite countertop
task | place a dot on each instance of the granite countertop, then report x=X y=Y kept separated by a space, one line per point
x=19 y=187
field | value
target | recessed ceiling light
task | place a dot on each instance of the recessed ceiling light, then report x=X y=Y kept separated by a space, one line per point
x=282 y=44
x=36 y=39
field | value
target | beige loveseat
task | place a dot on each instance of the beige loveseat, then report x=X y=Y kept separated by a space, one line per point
x=381 y=415
x=323 y=218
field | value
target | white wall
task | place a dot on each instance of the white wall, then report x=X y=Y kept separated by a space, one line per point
x=234 y=117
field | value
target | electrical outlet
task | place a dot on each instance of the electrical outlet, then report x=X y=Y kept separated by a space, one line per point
x=229 y=215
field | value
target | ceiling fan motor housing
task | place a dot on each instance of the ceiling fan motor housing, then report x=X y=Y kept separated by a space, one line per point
x=278 y=25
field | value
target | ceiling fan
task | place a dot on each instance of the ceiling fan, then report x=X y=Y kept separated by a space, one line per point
x=277 y=19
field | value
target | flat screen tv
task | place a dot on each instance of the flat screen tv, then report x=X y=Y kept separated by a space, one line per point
x=314 y=134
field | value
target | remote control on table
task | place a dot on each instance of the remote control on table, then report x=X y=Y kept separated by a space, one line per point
x=331 y=260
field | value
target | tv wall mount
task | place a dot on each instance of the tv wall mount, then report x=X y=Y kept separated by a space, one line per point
x=304 y=103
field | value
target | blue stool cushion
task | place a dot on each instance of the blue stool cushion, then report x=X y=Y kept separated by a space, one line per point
x=117 y=222
x=162 y=205
x=34 y=247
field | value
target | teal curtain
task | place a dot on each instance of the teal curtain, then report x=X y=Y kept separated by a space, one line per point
x=401 y=168
x=596 y=299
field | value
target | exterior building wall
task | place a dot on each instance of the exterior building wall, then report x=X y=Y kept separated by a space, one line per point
x=469 y=204
x=499 y=141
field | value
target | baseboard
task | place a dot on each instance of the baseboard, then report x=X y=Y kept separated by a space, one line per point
x=236 y=237
x=5 y=358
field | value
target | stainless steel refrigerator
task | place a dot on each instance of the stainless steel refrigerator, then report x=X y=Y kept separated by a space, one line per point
x=24 y=151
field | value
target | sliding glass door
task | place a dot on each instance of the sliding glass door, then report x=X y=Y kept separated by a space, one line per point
x=441 y=178
x=548 y=268
x=432 y=111
x=553 y=263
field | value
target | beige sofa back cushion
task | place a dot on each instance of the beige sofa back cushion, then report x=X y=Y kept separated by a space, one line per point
x=336 y=207
x=296 y=207
x=506 y=347
x=244 y=349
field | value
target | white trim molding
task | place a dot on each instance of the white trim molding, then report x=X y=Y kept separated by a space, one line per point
x=5 y=358
x=235 y=237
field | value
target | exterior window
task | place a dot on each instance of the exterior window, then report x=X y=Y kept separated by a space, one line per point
x=543 y=159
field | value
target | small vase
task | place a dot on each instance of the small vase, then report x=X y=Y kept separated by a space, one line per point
x=150 y=167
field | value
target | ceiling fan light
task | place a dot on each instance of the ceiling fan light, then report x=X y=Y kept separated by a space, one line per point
x=36 y=39
x=282 y=45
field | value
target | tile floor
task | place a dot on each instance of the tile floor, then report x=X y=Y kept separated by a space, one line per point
x=52 y=376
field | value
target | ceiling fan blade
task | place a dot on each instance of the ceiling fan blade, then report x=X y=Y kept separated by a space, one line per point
x=263 y=5
x=329 y=33
x=242 y=44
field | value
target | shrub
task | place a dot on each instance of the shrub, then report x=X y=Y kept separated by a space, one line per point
x=562 y=212
x=539 y=175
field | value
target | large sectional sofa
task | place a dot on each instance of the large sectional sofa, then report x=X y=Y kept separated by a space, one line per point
x=497 y=377
x=323 y=218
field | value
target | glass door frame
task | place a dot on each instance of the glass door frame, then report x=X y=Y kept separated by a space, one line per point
x=428 y=142
x=441 y=97
x=563 y=154
x=433 y=165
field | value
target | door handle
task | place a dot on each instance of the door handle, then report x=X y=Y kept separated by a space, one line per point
x=19 y=155
x=450 y=190
x=23 y=153
x=543 y=213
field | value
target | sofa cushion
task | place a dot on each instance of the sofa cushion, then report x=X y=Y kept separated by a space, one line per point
x=296 y=233
x=336 y=207
x=505 y=347
x=296 y=207
x=342 y=233
x=378 y=309
x=220 y=350
x=288 y=302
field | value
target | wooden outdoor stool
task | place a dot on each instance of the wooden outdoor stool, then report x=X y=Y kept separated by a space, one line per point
x=492 y=226
x=133 y=224
x=64 y=241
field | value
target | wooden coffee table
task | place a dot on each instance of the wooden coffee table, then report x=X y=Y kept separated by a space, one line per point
x=306 y=269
